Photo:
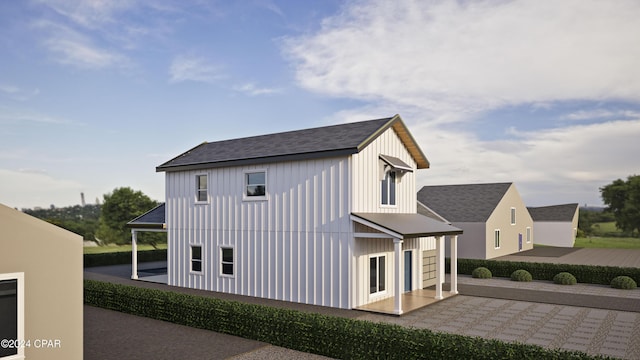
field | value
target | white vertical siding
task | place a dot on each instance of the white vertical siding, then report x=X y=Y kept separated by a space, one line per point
x=294 y=246
x=366 y=176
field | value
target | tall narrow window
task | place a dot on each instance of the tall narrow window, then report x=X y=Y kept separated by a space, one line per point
x=513 y=216
x=227 y=261
x=256 y=184
x=496 y=238
x=528 y=235
x=389 y=188
x=377 y=283
x=201 y=188
x=196 y=258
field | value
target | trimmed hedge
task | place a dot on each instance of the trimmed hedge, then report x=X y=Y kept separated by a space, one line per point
x=309 y=332
x=123 y=257
x=589 y=274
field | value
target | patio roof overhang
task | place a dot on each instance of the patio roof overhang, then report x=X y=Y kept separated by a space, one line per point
x=402 y=226
x=153 y=219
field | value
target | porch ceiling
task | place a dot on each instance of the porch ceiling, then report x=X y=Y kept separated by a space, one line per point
x=405 y=225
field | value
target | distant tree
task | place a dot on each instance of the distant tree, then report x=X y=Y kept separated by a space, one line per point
x=118 y=208
x=623 y=200
x=82 y=220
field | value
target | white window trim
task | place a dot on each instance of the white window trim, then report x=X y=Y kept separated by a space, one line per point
x=191 y=271
x=528 y=234
x=235 y=267
x=245 y=197
x=197 y=189
x=396 y=189
x=512 y=216
x=499 y=239
x=386 y=278
x=20 y=294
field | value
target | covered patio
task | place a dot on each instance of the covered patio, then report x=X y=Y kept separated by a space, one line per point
x=397 y=228
x=151 y=221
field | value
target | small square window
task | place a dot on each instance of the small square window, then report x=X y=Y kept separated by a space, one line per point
x=201 y=188
x=196 y=258
x=227 y=261
x=256 y=184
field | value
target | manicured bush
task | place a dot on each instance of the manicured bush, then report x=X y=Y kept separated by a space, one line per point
x=565 y=278
x=481 y=273
x=330 y=336
x=623 y=282
x=521 y=275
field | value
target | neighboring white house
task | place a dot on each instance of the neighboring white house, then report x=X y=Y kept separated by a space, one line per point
x=493 y=216
x=40 y=289
x=323 y=216
x=555 y=225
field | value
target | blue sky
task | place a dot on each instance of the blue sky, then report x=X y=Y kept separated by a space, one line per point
x=95 y=94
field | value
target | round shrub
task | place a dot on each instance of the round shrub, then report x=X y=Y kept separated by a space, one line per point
x=623 y=282
x=481 y=273
x=565 y=278
x=521 y=275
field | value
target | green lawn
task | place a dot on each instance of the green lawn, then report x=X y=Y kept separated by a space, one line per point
x=116 y=248
x=608 y=242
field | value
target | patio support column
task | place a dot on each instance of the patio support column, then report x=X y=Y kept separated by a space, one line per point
x=454 y=264
x=397 y=248
x=134 y=254
x=439 y=266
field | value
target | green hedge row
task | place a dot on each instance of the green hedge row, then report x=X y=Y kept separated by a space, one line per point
x=123 y=257
x=309 y=332
x=589 y=274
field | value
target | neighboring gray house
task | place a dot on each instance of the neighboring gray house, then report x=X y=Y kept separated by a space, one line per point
x=323 y=216
x=493 y=217
x=555 y=225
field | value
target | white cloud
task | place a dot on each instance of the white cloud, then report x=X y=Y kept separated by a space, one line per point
x=450 y=55
x=42 y=189
x=253 y=90
x=8 y=115
x=601 y=114
x=70 y=47
x=89 y=13
x=17 y=93
x=194 y=68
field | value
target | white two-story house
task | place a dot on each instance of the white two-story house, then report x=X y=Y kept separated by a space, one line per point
x=323 y=216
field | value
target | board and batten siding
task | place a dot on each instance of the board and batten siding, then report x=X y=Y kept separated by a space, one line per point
x=367 y=180
x=294 y=246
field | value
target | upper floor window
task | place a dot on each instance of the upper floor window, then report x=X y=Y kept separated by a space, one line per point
x=389 y=188
x=513 y=216
x=256 y=184
x=201 y=188
x=496 y=238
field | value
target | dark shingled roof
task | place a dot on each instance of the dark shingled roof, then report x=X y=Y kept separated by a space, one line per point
x=563 y=212
x=463 y=203
x=321 y=142
x=408 y=225
x=152 y=219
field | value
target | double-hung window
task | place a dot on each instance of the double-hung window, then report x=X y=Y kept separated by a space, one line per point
x=201 y=188
x=196 y=258
x=377 y=274
x=255 y=185
x=389 y=188
x=227 y=261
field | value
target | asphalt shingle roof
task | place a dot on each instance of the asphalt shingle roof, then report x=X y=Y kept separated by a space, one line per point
x=463 y=203
x=563 y=212
x=321 y=142
x=154 y=218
